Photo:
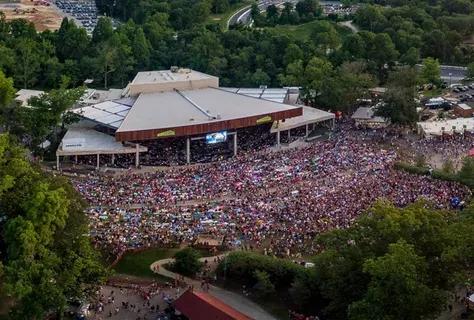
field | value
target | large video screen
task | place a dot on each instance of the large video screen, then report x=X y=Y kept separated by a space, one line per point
x=216 y=137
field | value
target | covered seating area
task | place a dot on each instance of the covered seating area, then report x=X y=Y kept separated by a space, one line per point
x=309 y=118
x=82 y=140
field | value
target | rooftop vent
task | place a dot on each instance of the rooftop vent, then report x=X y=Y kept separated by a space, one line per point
x=174 y=69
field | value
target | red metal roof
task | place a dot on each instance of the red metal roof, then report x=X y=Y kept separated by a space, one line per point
x=203 y=306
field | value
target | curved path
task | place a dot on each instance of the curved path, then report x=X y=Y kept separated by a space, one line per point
x=233 y=299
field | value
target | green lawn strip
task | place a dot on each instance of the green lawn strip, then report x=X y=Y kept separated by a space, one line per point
x=222 y=18
x=138 y=263
x=303 y=31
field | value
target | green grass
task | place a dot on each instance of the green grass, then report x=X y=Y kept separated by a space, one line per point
x=222 y=18
x=432 y=93
x=303 y=31
x=138 y=263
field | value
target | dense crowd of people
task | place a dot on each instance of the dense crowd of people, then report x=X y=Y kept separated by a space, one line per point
x=446 y=147
x=275 y=200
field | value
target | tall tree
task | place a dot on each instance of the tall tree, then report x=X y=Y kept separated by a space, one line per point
x=399 y=275
x=27 y=63
x=46 y=266
x=431 y=71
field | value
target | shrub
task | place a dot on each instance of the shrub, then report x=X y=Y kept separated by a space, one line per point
x=187 y=262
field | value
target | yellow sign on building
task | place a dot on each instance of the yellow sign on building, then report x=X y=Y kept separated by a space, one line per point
x=167 y=133
x=264 y=119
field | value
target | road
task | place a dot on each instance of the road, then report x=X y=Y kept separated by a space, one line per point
x=451 y=74
x=243 y=15
x=350 y=25
x=233 y=299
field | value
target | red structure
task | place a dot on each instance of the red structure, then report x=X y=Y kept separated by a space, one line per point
x=203 y=306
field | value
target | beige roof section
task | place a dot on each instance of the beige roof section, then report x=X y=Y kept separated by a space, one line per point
x=168 y=80
x=437 y=128
x=191 y=107
x=166 y=76
x=86 y=141
x=310 y=115
x=23 y=95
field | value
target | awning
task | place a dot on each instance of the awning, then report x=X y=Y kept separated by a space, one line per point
x=310 y=115
x=87 y=141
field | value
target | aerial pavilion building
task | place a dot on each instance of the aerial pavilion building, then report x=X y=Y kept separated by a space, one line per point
x=184 y=104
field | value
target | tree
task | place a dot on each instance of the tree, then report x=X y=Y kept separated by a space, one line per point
x=325 y=36
x=7 y=92
x=27 y=63
x=72 y=42
x=470 y=70
x=259 y=77
x=293 y=75
x=103 y=30
x=46 y=113
x=343 y=277
x=431 y=72
x=398 y=106
x=220 y=6
x=257 y=17
x=316 y=74
x=46 y=266
x=264 y=287
x=187 y=262
x=272 y=15
x=466 y=173
x=398 y=288
x=383 y=52
x=293 y=53
x=411 y=57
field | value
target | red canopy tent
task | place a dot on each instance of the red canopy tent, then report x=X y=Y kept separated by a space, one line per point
x=471 y=152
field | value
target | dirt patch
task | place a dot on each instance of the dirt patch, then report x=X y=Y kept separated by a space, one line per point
x=43 y=14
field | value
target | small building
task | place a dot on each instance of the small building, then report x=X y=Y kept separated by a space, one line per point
x=463 y=110
x=429 y=129
x=203 y=306
x=23 y=95
x=365 y=117
x=377 y=91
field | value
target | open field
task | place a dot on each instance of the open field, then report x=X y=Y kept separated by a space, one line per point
x=303 y=31
x=43 y=17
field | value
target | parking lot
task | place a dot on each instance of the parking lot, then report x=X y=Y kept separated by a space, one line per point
x=83 y=11
x=465 y=93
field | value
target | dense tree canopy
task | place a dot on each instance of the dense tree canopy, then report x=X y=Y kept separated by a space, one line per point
x=48 y=262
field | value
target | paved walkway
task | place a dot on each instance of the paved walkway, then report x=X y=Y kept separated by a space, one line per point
x=233 y=299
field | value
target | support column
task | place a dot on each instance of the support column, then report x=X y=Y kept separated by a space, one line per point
x=235 y=144
x=188 y=150
x=57 y=163
x=113 y=159
x=137 y=156
x=289 y=135
x=75 y=158
x=333 y=123
x=278 y=138
x=307 y=130
x=98 y=161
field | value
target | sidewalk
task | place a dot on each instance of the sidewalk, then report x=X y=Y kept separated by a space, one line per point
x=234 y=300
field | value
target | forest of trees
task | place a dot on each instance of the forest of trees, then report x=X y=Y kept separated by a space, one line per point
x=46 y=261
